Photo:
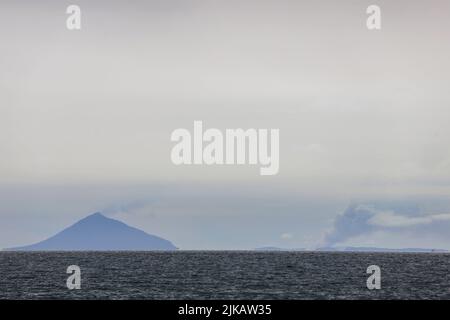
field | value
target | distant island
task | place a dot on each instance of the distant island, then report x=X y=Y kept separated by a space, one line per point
x=278 y=249
x=99 y=233
x=354 y=249
x=375 y=249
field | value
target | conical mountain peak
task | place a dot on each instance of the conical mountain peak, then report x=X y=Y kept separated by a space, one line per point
x=98 y=232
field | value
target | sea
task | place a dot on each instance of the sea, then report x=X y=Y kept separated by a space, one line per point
x=223 y=275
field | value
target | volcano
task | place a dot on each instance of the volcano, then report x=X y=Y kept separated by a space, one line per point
x=97 y=232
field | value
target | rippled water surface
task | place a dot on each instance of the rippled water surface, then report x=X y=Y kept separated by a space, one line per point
x=223 y=275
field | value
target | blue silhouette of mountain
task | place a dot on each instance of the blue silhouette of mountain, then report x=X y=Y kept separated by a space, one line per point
x=99 y=233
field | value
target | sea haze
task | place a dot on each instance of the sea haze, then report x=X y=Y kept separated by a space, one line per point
x=223 y=275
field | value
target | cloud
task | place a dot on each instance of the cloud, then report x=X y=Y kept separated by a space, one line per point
x=390 y=219
x=365 y=219
x=286 y=236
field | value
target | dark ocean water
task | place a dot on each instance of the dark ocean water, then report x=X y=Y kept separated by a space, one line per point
x=223 y=275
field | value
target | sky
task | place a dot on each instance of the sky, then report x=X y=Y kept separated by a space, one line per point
x=86 y=118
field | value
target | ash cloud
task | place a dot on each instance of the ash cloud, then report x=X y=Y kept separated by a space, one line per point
x=365 y=219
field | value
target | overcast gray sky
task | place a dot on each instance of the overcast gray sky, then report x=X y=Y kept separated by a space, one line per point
x=86 y=116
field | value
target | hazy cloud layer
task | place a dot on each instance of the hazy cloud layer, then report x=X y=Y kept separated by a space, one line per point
x=353 y=106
